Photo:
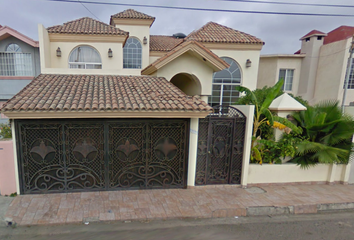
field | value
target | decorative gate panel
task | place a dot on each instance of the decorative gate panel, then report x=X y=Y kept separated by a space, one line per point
x=102 y=155
x=220 y=147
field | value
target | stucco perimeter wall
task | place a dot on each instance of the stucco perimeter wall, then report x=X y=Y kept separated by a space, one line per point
x=7 y=168
x=250 y=74
x=187 y=63
x=290 y=173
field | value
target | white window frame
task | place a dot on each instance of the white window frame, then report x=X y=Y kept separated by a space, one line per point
x=85 y=63
x=131 y=55
x=286 y=78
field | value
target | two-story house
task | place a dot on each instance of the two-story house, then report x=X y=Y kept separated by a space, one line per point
x=115 y=107
x=317 y=71
x=19 y=63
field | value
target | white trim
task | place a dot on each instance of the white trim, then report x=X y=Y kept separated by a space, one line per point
x=192 y=155
x=13 y=131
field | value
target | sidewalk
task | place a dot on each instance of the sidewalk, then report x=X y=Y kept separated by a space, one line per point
x=198 y=202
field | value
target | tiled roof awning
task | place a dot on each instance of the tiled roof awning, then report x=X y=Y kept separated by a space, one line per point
x=88 y=26
x=61 y=96
x=216 y=33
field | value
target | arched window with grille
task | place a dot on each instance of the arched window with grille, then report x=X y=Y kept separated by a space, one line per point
x=224 y=83
x=85 y=57
x=132 y=54
x=13 y=47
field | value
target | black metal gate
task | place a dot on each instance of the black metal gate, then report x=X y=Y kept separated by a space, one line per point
x=220 y=147
x=84 y=155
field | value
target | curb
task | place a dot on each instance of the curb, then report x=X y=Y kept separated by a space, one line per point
x=298 y=209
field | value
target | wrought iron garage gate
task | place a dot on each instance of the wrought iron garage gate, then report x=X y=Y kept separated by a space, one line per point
x=220 y=147
x=83 y=155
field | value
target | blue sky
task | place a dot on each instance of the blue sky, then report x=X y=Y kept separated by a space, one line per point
x=281 y=33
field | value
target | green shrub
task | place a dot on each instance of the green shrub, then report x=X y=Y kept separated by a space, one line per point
x=5 y=131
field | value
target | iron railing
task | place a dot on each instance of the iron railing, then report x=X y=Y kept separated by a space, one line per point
x=16 y=64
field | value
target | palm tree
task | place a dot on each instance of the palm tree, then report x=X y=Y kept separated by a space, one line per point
x=328 y=133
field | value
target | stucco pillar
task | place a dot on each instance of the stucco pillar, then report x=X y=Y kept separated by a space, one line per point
x=204 y=98
x=193 y=146
x=14 y=140
x=248 y=111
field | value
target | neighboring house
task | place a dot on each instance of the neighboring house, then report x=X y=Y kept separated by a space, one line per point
x=19 y=63
x=117 y=108
x=317 y=71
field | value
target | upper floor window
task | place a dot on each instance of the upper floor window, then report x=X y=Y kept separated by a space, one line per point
x=85 y=57
x=351 y=76
x=15 y=63
x=287 y=75
x=13 y=47
x=224 y=82
x=132 y=54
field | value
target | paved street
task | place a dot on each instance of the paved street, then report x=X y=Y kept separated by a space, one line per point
x=331 y=226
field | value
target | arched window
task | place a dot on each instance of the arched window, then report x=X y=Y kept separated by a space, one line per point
x=224 y=82
x=13 y=47
x=85 y=57
x=132 y=53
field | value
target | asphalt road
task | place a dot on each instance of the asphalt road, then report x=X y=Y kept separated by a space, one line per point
x=331 y=226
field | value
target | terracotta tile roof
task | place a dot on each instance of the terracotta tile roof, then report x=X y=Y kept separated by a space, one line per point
x=338 y=34
x=215 y=33
x=132 y=14
x=314 y=33
x=163 y=43
x=88 y=93
x=86 y=25
x=182 y=46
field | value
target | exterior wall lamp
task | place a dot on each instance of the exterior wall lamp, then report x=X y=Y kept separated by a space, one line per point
x=58 y=52
x=145 y=40
x=248 y=63
x=110 y=53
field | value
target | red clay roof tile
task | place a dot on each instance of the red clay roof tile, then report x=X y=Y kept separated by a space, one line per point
x=163 y=43
x=59 y=93
x=86 y=25
x=132 y=14
x=338 y=34
x=216 y=33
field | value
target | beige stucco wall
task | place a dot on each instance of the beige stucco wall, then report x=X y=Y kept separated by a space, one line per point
x=186 y=63
x=44 y=47
x=114 y=63
x=139 y=32
x=269 y=68
x=331 y=72
x=286 y=173
x=249 y=75
x=153 y=59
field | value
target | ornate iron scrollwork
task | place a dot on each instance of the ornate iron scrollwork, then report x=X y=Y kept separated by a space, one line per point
x=85 y=150
x=166 y=149
x=127 y=151
x=42 y=151
x=221 y=135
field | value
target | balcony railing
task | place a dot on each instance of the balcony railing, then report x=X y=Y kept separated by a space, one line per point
x=16 y=64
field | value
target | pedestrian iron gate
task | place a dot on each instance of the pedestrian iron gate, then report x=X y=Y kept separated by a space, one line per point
x=84 y=155
x=220 y=147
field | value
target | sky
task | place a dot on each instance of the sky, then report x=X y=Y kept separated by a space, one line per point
x=280 y=33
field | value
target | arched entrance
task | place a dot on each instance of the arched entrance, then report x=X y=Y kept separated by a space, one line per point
x=188 y=83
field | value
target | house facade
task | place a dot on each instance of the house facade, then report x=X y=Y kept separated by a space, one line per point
x=117 y=108
x=19 y=63
x=317 y=71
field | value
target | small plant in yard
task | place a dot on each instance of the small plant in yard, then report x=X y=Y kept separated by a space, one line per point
x=5 y=130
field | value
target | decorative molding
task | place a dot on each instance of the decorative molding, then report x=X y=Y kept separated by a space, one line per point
x=105 y=114
x=16 y=78
x=60 y=37
x=233 y=46
x=133 y=22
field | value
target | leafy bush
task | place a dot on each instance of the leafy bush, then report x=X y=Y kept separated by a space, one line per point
x=5 y=131
x=327 y=134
